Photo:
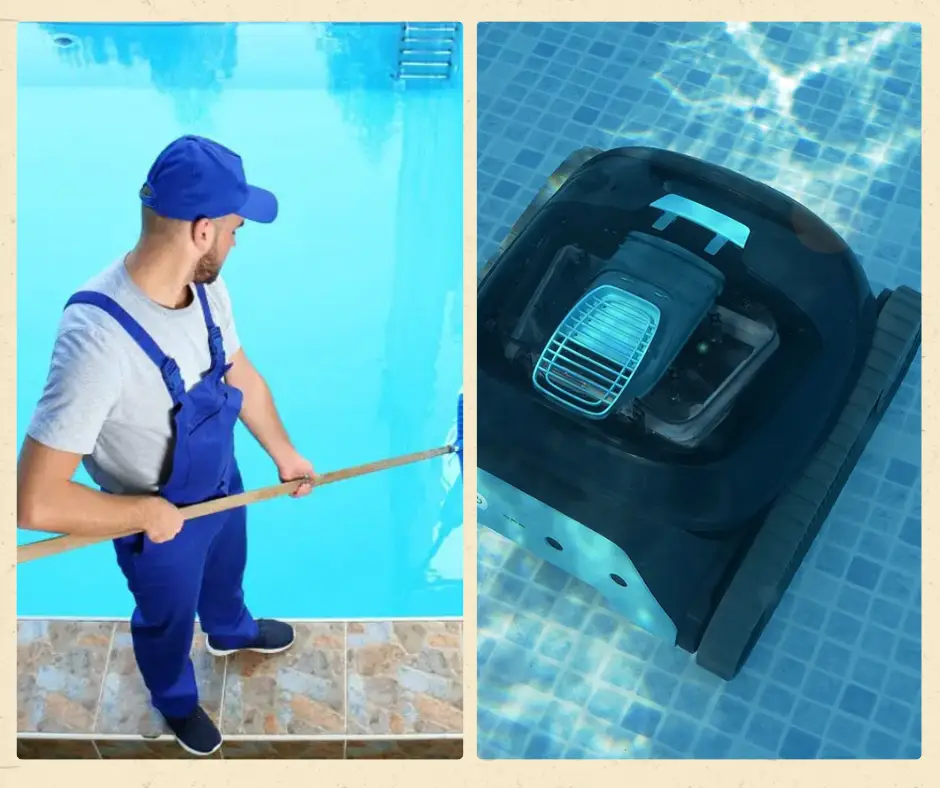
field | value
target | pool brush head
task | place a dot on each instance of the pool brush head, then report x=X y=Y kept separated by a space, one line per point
x=458 y=444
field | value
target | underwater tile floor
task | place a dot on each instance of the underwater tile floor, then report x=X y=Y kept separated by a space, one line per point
x=390 y=689
x=830 y=114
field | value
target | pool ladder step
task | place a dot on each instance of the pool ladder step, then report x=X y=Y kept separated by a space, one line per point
x=426 y=50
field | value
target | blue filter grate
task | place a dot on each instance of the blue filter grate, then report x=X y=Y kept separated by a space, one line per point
x=590 y=359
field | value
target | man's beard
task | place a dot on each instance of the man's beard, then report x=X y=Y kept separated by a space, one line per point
x=208 y=268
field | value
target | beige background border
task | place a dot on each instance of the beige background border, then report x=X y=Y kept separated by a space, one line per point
x=470 y=771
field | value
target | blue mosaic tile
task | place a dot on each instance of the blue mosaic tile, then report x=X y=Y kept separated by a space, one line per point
x=799 y=744
x=829 y=114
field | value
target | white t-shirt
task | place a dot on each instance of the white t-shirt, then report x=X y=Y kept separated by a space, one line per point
x=105 y=399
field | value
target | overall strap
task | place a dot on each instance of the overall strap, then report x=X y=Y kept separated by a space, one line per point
x=204 y=300
x=216 y=349
x=167 y=366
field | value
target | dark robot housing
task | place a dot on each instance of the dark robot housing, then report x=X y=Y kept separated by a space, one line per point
x=687 y=363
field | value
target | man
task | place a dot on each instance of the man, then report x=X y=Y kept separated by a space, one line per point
x=146 y=384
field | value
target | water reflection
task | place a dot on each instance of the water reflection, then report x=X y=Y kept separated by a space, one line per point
x=187 y=62
x=190 y=64
x=818 y=111
x=361 y=60
x=428 y=264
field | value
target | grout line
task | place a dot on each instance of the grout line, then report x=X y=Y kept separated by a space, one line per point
x=246 y=737
x=104 y=679
x=222 y=696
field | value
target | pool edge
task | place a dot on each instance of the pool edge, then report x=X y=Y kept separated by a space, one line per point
x=330 y=696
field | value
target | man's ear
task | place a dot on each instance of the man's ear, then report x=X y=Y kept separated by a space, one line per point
x=203 y=233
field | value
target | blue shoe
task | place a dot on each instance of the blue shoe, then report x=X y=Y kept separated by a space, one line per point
x=196 y=733
x=273 y=638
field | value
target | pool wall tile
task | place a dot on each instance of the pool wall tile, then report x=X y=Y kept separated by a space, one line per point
x=318 y=750
x=299 y=692
x=144 y=749
x=60 y=670
x=57 y=749
x=404 y=677
x=425 y=749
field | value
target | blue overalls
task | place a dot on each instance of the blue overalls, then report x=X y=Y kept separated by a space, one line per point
x=199 y=571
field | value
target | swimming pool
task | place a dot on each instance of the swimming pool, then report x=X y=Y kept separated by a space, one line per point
x=349 y=304
x=830 y=114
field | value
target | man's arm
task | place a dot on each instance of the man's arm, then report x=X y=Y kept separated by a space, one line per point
x=259 y=413
x=81 y=389
x=260 y=416
x=48 y=500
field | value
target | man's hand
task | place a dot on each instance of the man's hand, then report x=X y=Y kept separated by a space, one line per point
x=48 y=500
x=162 y=521
x=292 y=467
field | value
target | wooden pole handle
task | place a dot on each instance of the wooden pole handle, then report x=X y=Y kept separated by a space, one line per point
x=65 y=542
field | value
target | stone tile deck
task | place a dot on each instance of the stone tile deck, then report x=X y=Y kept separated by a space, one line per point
x=385 y=689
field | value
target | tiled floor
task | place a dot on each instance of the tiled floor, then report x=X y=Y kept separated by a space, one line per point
x=369 y=690
x=831 y=115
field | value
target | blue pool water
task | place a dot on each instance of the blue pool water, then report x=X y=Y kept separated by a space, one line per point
x=349 y=304
x=831 y=115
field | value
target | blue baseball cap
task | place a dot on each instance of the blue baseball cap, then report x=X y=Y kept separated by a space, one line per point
x=194 y=178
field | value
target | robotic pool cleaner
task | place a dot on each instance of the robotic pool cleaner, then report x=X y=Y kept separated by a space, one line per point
x=679 y=368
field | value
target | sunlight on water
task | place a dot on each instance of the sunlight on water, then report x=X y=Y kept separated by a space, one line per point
x=766 y=102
